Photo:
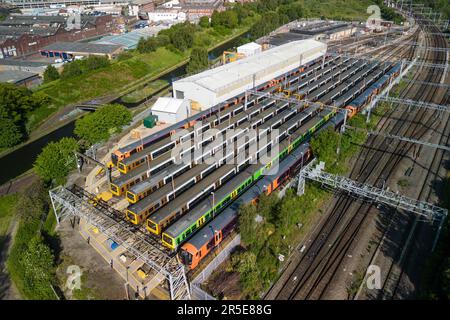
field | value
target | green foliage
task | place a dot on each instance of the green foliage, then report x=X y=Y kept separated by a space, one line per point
x=204 y=22
x=15 y=104
x=267 y=230
x=151 y=44
x=38 y=268
x=10 y=133
x=389 y=14
x=7 y=204
x=199 y=60
x=78 y=67
x=101 y=124
x=125 y=55
x=56 y=160
x=324 y=146
x=31 y=263
x=181 y=35
x=51 y=74
x=228 y=19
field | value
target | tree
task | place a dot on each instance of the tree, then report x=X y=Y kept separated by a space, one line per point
x=204 y=22
x=72 y=69
x=51 y=74
x=199 y=60
x=39 y=269
x=15 y=103
x=99 y=125
x=56 y=160
x=10 y=134
x=324 y=145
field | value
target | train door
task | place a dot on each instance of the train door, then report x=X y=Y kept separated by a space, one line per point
x=217 y=237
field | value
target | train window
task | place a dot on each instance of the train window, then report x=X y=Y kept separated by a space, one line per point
x=210 y=244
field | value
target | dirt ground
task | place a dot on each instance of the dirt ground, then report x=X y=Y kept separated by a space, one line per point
x=101 y=281
x=223 y=285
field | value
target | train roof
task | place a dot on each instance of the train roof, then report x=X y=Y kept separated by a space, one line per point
x=205 y=234
x=200 y=209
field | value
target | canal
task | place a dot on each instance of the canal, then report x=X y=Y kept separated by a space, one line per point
x=21 y=160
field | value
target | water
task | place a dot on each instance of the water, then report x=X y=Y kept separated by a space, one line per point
x=22 y=159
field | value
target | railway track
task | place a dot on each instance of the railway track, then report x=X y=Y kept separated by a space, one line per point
x=319 y=264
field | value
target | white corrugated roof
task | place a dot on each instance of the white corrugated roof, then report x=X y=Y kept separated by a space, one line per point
x=249 y=46
x=260 y=63
x=168 y=105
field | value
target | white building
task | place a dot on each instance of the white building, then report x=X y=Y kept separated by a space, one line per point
x=169 y=15
x=170 y=110
x=249 y=49
x=217 y=85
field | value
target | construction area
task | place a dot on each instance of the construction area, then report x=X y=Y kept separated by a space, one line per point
x=155 y=204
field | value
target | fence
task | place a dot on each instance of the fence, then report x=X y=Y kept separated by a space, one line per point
x=196 y=292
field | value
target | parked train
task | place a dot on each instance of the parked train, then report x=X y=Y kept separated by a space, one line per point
x=203 y=242
x=149 y=141
x=186 y=225
x=178 y=207
x=213 y=233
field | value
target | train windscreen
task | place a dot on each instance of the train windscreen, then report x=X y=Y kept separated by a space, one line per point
x=186 y=257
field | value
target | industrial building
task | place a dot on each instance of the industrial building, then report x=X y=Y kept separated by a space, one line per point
x=326 y=30
x=170 y=110
x=23 y=34
x=130 y=39
x=68 y=50
x=318 y=30
x=20 y=78
x=23 y=65
x=217 y=85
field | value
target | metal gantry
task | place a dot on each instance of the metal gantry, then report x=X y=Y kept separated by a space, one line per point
x=372 y=193
x=79 y=203
x=391 y=136
x=402 y=138
x=413 y=103
x=425 y=83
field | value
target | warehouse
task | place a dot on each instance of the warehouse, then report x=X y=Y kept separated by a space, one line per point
x=170 y=110
x=68 y=50
x=217 y=85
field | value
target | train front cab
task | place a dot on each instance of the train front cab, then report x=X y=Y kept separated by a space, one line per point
x=115 y=189
x=191 y=256
x=133 y=217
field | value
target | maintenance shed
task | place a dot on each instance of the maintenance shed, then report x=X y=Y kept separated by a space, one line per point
x=68 y=50
x=217 y=85
x=20 y=78
x=171 y=110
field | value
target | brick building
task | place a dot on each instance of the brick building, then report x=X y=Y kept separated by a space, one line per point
x=21 y=35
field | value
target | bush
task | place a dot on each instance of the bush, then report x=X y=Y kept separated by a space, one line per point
x=31 y=262
x=204 y=22
x=99 y=126
x=78 y=67
x=15 y=103
x=199 y=60
x=50 y=74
